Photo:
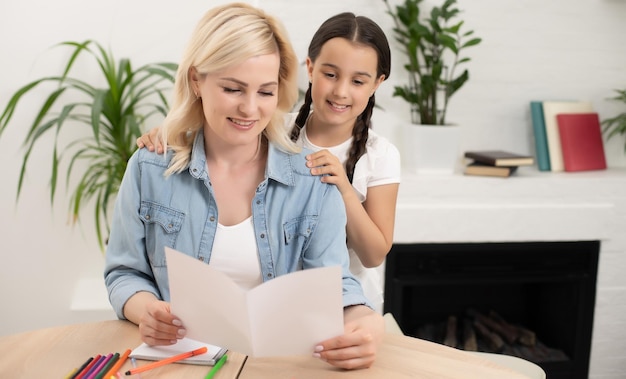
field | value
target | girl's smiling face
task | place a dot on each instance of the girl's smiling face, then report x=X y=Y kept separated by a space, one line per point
x=343 y=78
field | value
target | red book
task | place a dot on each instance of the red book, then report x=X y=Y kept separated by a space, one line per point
x=581 y=141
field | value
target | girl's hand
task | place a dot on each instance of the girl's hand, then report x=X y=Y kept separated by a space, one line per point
x=151 y=141
x=326 y=164
x=358 y=346
x=157 y=325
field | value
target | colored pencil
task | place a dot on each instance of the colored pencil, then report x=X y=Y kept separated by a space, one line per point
x=217 y=367
x=81 y=368
x=99 y=366
x=117 y=364
x=104 y=370
x=163 y=362
x=86 y=370
x=72 y=373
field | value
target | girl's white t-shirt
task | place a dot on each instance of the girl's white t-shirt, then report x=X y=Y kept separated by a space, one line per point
x=379 y=165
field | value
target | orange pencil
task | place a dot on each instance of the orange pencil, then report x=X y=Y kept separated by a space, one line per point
x=117 y=365
x=163 y=362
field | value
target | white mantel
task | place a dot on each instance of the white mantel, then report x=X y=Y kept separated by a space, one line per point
x=532 y=206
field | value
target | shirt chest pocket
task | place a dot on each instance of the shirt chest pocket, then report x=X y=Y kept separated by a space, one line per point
x=298 y=231
x=162 y=226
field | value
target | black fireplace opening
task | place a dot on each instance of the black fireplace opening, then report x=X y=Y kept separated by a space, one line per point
x=534 y=300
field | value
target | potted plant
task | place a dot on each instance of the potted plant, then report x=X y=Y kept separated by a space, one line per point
x=113 y=114
x=433 y=45
x=616 y=125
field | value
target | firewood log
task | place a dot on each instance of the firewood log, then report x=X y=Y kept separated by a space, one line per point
x=469 y=336
x=450 y=339
x=496 y=344
x=500 y=327
x=522 y=335
x=526 y=337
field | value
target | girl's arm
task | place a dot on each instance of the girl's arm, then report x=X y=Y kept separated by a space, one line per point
x=370 y=224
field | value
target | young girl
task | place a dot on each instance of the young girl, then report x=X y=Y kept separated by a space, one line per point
x=348 y=58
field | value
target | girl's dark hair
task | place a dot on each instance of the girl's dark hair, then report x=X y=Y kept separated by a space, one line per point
x=364 y=31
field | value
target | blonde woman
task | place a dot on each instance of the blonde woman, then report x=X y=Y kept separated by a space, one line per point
x=232 y=189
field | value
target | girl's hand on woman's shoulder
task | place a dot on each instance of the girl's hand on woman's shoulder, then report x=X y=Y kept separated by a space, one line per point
x=327 y=165
x=151 y=141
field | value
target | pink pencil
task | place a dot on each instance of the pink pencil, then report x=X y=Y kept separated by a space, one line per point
x=101 y=365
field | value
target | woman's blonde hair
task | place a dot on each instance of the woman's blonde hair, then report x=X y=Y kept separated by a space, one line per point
x=227 y=36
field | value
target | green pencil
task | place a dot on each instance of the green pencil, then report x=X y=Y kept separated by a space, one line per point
x=217 y=367
x=108 y=366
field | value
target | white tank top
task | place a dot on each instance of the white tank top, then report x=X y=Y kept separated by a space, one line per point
x=235 y=254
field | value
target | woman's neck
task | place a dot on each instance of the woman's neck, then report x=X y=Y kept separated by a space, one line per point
x=234 y=180
x=235 y=156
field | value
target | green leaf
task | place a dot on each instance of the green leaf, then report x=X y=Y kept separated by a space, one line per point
x=472 y=42
x=114 y=116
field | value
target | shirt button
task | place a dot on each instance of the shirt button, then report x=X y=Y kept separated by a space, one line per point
x=258 y=201
x=147 y=217
x=212 y=218
x=269 y=274
x=201 y=259
x=262 y=235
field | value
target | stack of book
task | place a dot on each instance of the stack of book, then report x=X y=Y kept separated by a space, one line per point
x=495 y=162
x=568 y=136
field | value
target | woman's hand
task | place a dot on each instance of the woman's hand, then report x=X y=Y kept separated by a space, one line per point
x=357 y=347
x=157 y=325
x=324 y=163
x=151 y=141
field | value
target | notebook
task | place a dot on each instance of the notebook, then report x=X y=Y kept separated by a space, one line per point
x=156 y=353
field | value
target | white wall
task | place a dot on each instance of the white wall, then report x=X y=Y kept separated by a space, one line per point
x=532 y=49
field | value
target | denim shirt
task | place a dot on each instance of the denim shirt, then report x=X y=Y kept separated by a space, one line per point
x=299 y=223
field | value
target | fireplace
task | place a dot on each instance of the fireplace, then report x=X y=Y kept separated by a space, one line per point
x=547 y=288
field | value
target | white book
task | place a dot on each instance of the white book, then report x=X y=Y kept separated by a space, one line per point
x=550 y=110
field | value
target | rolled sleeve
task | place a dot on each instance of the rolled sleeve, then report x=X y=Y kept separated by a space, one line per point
x=127 y=267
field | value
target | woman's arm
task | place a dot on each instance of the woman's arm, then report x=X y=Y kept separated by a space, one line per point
x=128 y=275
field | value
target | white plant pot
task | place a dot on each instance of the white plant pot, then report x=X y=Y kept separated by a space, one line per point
x=431 y=149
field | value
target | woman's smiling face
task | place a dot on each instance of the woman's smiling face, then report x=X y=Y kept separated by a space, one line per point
x=239 y=102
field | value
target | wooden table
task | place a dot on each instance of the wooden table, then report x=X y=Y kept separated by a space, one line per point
x=54 y=352
x=399 y=357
